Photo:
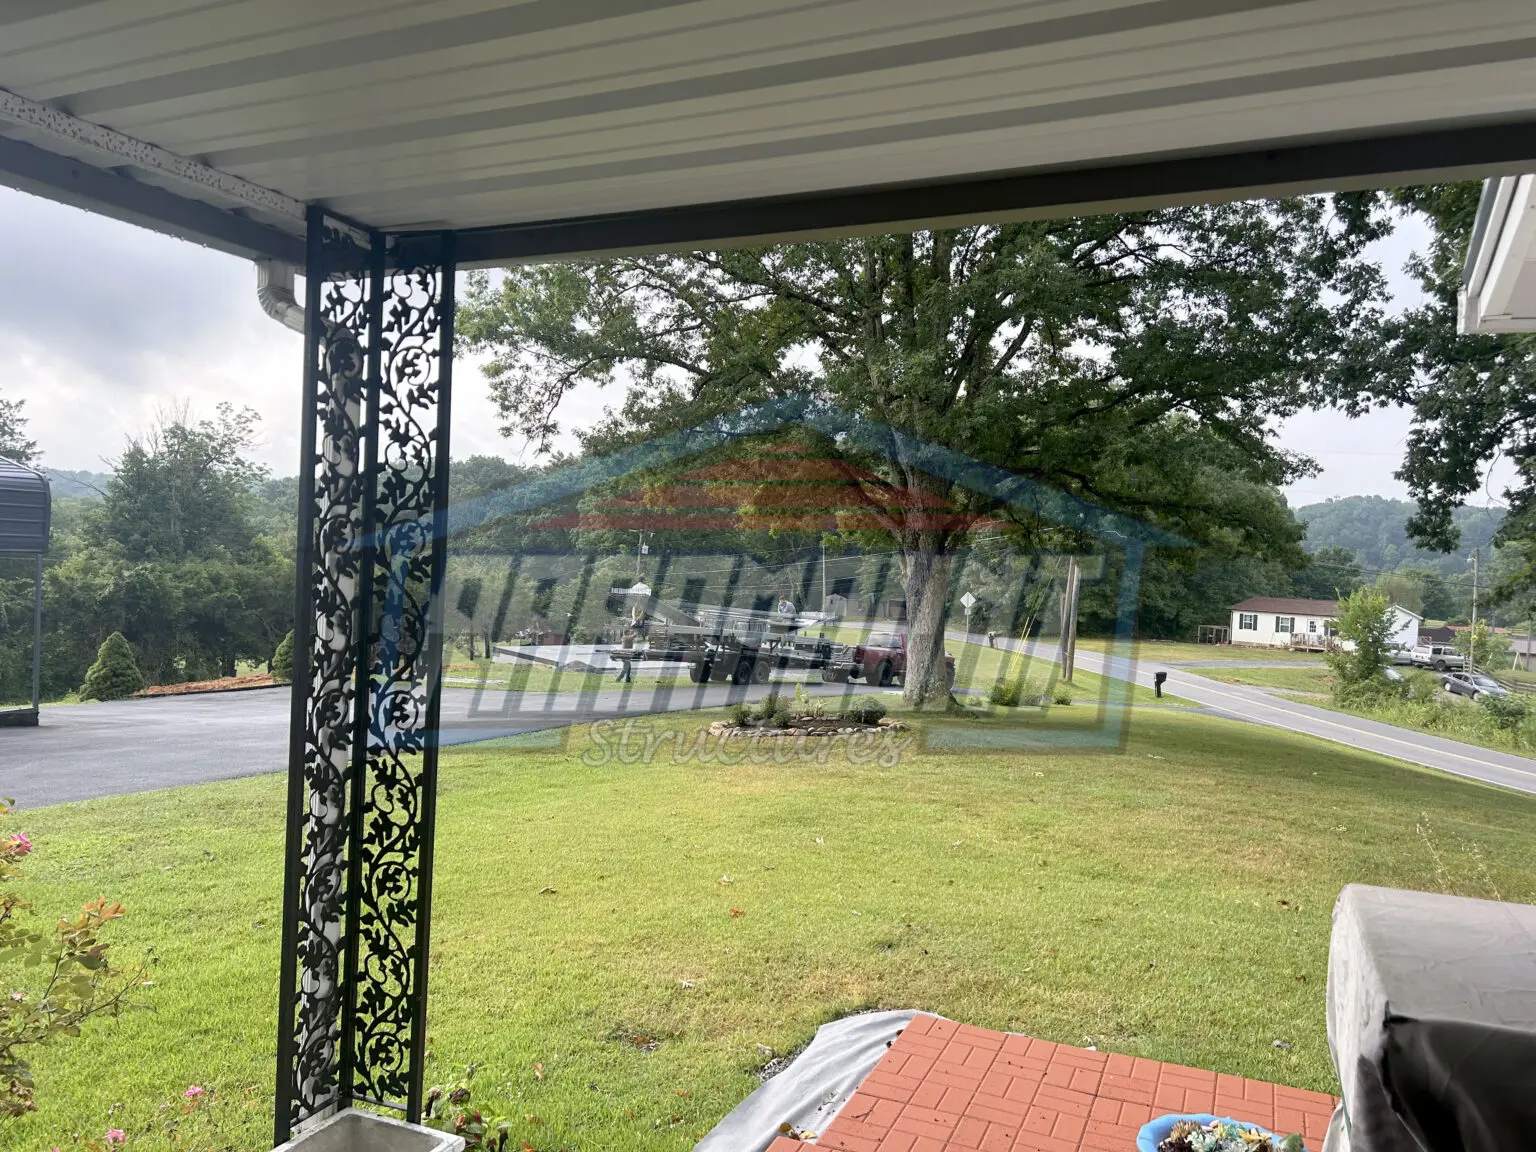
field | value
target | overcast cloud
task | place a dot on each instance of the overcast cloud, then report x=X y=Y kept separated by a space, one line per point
x=103 y=324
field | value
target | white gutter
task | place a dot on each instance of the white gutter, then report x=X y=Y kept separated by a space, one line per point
x=274 y=291
x=1501 y=259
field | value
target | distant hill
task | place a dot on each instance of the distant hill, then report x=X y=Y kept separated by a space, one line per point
x=90 y=485
x=1372 y=528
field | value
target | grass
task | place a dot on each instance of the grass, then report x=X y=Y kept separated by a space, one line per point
x=1170 y=899
x=1317 y=679
x=1173 y=651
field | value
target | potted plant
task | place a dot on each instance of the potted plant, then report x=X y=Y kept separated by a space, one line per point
x=1202 y=1132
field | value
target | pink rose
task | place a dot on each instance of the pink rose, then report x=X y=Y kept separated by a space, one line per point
x=20 y=843
x=116 y=1138
x=192 y=1093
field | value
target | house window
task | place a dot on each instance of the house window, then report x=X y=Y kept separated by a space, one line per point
x=1247 y=621
x=1312 y=627
x=1285 y=623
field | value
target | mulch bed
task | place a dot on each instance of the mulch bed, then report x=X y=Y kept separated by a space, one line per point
x=223 y=684
x=804 y=726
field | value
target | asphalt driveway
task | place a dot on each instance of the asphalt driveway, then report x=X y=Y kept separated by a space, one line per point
x=82 y=751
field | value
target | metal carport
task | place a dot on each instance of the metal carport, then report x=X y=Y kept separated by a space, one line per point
x=26 y=510
x=383 y=145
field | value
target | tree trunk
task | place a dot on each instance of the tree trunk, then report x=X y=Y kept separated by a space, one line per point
x=927 y=568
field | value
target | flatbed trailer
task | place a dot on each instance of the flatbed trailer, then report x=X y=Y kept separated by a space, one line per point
x=744 y=657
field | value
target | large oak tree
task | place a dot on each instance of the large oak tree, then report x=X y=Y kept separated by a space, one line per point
x=1138 y=361
x=1473 y=397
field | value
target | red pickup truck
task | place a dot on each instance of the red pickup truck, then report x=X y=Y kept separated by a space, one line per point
x=881 y=660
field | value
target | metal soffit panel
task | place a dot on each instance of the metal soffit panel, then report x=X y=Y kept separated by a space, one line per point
x=469 y=114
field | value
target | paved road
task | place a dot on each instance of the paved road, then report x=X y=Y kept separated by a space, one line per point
x=1261 y=707
x=82 y=751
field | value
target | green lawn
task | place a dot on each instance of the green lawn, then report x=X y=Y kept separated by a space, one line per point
x=1317 y=679
x=1170 y=899
x=1173 y=651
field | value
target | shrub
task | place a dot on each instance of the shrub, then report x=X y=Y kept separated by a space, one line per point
x=1506 y=712
x=1062 y=694
x=769 y=704
x=282 y=660
x=1015 y=693
x=115 y=674
x=865 y=710
x=1421 y=688
x=807 y=705
x=1006 y=693
x=70 y=978
x=739 y=714
x=782 y=717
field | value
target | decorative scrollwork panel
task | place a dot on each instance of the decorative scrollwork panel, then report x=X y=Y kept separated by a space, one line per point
x=363 y=796
x=333 y=523
x=401 y=741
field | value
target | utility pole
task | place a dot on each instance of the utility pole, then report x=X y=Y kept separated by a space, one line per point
x=1069 y=619
x=1472 y=633
x=823 y=575
x=1472 y=636
x=634 y=611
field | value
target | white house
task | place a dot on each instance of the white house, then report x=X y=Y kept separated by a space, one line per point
x=1289 y=622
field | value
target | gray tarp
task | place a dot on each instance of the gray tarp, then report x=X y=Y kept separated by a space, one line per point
x=811 y=1091
x=1432 y=1021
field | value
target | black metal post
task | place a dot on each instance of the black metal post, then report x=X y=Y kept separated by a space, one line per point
x=368 y=670
x=286 y=1104
x=37 y=636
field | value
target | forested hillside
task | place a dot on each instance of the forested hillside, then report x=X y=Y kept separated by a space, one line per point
x=1372 y=527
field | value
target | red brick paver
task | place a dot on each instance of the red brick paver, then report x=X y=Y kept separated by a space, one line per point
x=948 y=1087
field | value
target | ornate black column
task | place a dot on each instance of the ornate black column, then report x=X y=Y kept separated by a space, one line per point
x=373 y=491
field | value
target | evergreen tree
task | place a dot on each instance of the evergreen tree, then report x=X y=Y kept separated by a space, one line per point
x=14 y=444
x=115 y=674
x=282 y=660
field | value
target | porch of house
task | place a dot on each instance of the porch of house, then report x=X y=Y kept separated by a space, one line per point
x=382 y=151
x=947 y=1087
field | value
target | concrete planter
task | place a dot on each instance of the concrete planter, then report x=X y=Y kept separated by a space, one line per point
x=352 y=1130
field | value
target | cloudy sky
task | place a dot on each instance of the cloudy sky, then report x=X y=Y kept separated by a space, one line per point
x=103 y=325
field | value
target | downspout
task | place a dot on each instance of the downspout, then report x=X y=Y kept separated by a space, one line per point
x=274 y=291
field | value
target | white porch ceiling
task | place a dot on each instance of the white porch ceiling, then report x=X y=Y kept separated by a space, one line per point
x=411 y=114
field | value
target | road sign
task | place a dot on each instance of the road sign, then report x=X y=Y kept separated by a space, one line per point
x=969 y=600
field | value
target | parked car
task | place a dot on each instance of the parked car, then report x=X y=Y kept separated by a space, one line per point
x=1440 y=657
x=1472 y=684
x=881 y=660
x=1400 y=653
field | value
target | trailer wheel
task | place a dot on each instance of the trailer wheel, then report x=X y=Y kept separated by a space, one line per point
x=760 y=671
x=742 y=672
x=698 y=671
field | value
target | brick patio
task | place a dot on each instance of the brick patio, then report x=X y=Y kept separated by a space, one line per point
x=944 y=1087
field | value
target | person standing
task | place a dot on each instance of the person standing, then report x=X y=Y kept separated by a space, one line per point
x=627 y=661
x=991 y=638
